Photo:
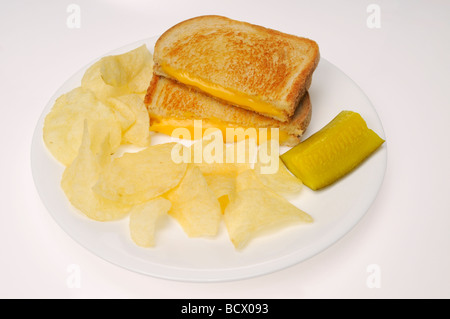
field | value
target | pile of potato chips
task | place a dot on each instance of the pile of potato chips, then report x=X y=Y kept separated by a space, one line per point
x=86 y=129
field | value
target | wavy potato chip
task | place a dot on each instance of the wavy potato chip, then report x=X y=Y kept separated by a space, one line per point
x=81 y=175
x=194 y=205
x=282 y=181
x=242 y=153
x=248 y=179
x=123 y=112
x=138 y=133
x=272 y=172
x=213 y=156
x=255 y=208
x=63 y=125
x=92 y=80
x=121 y=74
x=121 y=69
x=144 y=218
x=141 y=80
x=137 y=177
x=223 y=186
x=208 y=154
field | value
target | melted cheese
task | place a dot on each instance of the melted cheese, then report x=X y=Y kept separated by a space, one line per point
x=232 y=96
x=168 y=125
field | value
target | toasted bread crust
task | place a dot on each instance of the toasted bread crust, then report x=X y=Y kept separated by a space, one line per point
x=267 y=64
x=168 y=98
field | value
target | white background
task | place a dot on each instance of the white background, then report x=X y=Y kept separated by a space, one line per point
x=403 y=67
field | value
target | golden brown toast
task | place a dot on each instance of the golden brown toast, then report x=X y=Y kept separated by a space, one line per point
x=173 y=104
x=245 y=65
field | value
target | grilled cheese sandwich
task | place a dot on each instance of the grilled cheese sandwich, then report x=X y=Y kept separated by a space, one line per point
x=238 y=63
x=172 y=105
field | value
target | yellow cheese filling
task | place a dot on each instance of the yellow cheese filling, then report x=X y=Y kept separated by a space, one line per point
x=230 y=95
x=167 y=126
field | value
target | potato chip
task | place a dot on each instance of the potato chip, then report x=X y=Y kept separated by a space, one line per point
x=119 y=70
x=137 y=177
x=248 y=179
x=92 y=80
x=194 y=205
x=140 y=82
x=139 y=132
x=123 y=112
x=144 y=218
x=208 y=155
x=81 y=175
x=121 y=74
x=223 y=186
x=273 y=173
x=112 y=71
x=63 y=125
x=212 y=156
x=255 y=208
x=242 y=154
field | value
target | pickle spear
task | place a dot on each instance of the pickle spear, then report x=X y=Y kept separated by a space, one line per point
x=333 y=152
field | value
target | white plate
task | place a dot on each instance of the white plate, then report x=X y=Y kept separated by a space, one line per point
x=335 y=209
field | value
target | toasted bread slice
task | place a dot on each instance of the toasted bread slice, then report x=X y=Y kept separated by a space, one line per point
x=171 y=105
x=245 y=65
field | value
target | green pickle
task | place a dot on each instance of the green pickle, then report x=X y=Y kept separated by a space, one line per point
x=333 y=152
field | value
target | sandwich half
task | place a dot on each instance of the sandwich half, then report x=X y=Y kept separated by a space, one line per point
x=173 y=105
x=242 y=64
